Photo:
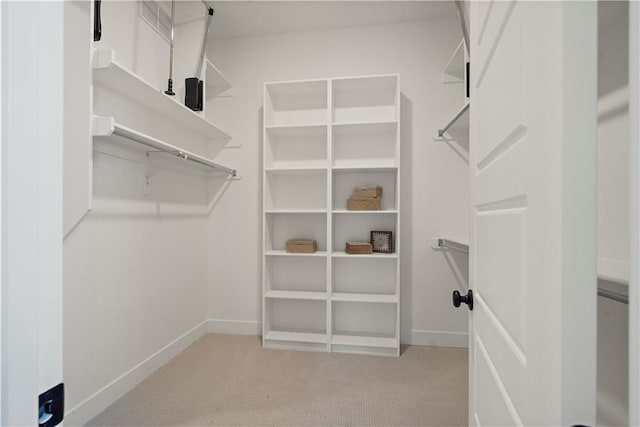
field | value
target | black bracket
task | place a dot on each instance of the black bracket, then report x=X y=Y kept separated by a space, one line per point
x=51 y=406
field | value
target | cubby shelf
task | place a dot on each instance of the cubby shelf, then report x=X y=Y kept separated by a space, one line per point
x=304 y=337
x=300 y=129
x=303 y=295
x=366 y=168
x=294 y=170
x=364 y=341
x=295 y=211
x=339 y=254
x=379 y=212
x=321 y=138
x=377 y=298
x=285 y=253
x=108 y=73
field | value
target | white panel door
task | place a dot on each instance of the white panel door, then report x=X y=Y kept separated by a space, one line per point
x=533 y=245
x=31 y=226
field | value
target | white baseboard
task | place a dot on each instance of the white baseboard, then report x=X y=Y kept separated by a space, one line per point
x=435 y=338
x=107 y=395
x=234 y=327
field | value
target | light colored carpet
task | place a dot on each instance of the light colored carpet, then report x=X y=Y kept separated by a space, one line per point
x=228 y=380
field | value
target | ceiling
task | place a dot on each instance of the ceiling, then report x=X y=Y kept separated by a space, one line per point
x=255 y=18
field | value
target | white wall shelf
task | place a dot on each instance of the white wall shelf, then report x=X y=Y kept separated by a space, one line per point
x=322 y=138
x=116 y=78
x=216 y=83
x=455 y=68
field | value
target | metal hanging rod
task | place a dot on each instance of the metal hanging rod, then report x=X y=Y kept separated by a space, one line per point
x=452 y=244
x=455 y=118
x=615 y=296
x=104 y=126
x=152 y=142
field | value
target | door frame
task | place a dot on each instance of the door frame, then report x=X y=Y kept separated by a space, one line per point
x=31 y=216
x=634 y=203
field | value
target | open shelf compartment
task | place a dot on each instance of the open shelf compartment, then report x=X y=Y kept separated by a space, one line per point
x=296 y=189
x=296 y=103
x=345 y=180
x=294 y=323
x=291 y=274
x=371 y=326
x=280 y=228
x=365 y=99
x=365 y=144
x=353 y=274
x=296 y=147
x=355 y=228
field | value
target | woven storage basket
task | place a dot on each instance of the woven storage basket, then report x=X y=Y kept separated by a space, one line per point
x=301 y=246
x=363 y=203
x=359 y=248
x=367 y=191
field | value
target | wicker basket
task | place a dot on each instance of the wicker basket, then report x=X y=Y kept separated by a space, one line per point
x=363 y=203
x=301 y=246
x=360 y=248
x=367 y=191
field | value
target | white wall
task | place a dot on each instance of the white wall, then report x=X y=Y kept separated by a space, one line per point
x=134 y=268
x=435 y=190
x=613 y=210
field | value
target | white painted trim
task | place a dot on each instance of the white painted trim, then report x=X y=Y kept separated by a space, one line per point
x=634 y=215
x=435 y=338
x=31 y=205
x=2 y=232
x=234 y=327
x=107 y=395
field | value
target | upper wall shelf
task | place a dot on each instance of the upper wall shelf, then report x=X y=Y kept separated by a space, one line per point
x=454 y=71
x=217 y=84
x=108 y=73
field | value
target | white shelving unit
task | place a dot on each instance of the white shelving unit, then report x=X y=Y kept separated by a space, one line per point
x=321 y=139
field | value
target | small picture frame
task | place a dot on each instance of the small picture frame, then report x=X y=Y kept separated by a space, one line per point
x=382 y=241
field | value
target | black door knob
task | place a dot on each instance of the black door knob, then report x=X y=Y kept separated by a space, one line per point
x=467 y=299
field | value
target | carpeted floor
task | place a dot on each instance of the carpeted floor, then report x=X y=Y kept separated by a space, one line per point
x=228 y=380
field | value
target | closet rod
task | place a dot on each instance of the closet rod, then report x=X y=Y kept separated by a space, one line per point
x=615 y=296
x=152 y=142
x=450 y=244
x=442 y=131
